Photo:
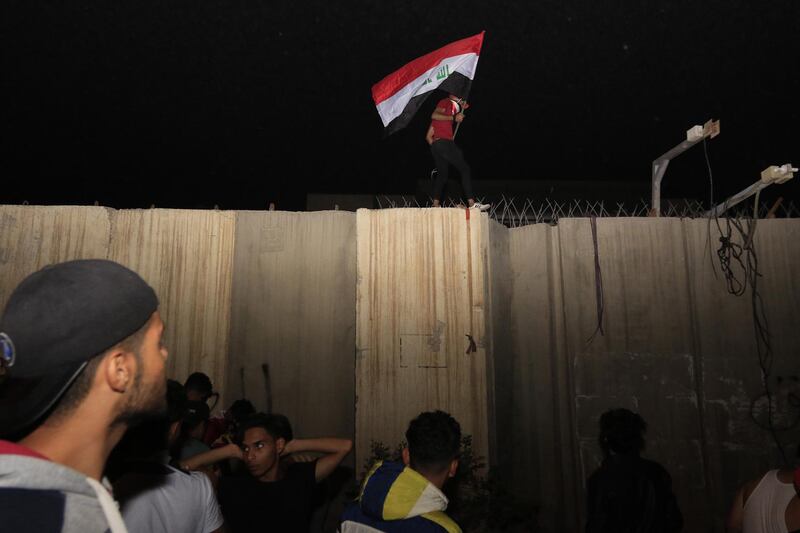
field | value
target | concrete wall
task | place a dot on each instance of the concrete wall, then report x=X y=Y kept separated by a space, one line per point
x=421 y=290
x=731 y=379
x=401 y=289
x=646 y=359
x=677 y=348
x=32 y=237
x=184 y=255
x=293 y=308
x=499 y=356
x=543 y=449
x=288 y=279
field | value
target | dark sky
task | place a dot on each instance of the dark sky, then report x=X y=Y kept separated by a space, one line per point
x=237 y=103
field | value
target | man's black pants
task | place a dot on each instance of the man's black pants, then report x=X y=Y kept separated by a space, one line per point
x=446 y=153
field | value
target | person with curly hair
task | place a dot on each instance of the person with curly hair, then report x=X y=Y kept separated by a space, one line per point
x=629 y=494
x=407 y=496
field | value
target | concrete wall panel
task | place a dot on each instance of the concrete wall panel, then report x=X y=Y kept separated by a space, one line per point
x=33 y=236
x=677 y=348
x=732 y=388
x=186 y=255
x=420 y=292
x=294 y=310
x=500 y=356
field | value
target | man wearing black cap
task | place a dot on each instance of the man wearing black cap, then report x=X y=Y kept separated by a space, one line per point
x=82 y=353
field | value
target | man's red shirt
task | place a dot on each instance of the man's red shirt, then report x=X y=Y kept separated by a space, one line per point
x=443 y=129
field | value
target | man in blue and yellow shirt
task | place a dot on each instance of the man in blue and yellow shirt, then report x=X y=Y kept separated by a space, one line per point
x=408 y=497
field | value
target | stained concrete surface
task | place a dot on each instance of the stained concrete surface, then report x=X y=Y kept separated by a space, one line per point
x=676 y=347
x=242 y=289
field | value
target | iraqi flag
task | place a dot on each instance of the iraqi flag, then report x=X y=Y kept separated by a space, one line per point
x=450 y=68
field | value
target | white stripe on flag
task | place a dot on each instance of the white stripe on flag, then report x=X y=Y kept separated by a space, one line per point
x=392 y=107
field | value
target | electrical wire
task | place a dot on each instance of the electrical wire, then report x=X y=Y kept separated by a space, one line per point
x=598 y=283
x=733 y=256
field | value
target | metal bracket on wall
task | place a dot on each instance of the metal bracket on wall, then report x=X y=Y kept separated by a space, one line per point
x=770 y=175
x=694 y=135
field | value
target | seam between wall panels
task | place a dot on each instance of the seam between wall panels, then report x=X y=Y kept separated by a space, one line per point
x=698 y=366
x=573 y=478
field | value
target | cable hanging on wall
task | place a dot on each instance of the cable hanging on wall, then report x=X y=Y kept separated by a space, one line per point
x=598 y=284
x=737 y=252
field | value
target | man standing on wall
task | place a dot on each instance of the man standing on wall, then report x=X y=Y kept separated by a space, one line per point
x=440 y=137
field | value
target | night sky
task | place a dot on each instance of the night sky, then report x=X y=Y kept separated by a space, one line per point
x=239 y=103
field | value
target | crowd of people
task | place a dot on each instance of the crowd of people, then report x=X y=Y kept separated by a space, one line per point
x=97 y=439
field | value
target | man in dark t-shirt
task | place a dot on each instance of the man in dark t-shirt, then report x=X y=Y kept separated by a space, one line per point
x=285 y=504
x=274 y=494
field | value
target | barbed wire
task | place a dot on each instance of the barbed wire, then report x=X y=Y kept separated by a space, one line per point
x=515 y=212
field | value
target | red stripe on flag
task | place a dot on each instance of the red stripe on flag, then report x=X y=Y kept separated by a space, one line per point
x=398 y=79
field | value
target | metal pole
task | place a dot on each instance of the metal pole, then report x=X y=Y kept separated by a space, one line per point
x=770 y=175
x=736 y=199
x=696 y=134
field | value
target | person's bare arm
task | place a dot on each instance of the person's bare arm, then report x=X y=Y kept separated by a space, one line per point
x=736 y=514
x=231 y=451
x=441 y=114
x=429 y=135
x=334 y=449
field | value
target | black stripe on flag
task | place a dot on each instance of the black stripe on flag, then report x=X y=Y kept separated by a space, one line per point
x=456 y=83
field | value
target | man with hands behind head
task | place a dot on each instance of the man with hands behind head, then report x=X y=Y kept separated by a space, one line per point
x=276 y=493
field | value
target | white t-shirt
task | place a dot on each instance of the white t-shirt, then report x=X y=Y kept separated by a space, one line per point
x=168 y=500
x=765 y=508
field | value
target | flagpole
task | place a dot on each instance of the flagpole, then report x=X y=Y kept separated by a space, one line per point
x=458 y=124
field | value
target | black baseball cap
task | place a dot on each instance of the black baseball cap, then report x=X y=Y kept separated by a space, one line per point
x=55 y=321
